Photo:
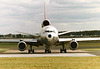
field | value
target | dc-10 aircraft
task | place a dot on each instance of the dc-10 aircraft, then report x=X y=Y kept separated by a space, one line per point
x=47 y=37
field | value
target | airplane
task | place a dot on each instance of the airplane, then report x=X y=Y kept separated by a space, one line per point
x=47 y=37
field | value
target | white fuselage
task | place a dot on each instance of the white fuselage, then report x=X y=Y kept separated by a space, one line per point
x=48 y=35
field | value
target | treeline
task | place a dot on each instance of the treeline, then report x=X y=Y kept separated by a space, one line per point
x=7 y=36
x=91 y=33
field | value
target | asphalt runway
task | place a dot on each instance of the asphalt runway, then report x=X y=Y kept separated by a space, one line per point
x=40 y=53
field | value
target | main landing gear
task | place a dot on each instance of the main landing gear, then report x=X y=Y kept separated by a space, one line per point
x=63 y=49
x=31 y=50
x=47 y=50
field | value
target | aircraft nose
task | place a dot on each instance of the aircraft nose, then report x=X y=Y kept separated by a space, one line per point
x=49 y=35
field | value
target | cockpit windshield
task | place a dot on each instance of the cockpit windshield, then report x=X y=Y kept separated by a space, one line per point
x=49 y=31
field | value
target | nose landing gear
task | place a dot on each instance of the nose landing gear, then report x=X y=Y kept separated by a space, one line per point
x=47 y=50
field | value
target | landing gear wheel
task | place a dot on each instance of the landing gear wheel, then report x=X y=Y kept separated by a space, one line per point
x=47 y=51
x=63 y=48
x=65 y=51
x=29 y=51
x=33 y=51
x=60 y=50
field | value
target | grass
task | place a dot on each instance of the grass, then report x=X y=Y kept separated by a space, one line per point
x=7 y=46
x=89 y=44
x=92 y=49
x=50 y=63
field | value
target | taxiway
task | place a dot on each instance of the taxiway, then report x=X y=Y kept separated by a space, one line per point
x=49 y=55
x=40 y=53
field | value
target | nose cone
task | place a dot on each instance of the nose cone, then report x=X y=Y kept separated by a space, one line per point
x=49 y=39
x=49 y=35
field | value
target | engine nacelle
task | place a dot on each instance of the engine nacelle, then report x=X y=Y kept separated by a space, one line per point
x=73 y=45
x=45 y=23
x=22 y=46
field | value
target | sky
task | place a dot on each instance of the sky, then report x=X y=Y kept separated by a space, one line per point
x=66 y=15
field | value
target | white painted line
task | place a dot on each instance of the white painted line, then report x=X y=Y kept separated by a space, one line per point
x=49 y=55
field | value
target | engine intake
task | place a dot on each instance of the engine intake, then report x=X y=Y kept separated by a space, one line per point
x=45 y=23
x=22 y=46
x=73 y=45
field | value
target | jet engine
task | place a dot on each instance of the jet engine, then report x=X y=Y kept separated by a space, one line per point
x=73 y=45
x=22 y=46
x=45 y=23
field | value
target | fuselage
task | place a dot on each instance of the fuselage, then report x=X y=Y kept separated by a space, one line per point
x=48 y=35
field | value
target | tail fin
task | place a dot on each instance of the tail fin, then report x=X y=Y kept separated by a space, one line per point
x=45 y=17
x=45 y=22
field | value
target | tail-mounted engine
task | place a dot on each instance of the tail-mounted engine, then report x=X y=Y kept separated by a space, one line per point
x=22 y=46
x=73 y=45
x=45 y=23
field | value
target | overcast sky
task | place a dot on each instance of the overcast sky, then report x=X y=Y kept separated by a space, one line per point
x=65 y=15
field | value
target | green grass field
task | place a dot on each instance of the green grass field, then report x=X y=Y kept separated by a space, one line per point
x=50 y=63
x=7 y=46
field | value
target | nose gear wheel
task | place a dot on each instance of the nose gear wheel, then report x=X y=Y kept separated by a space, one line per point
x=47 y=50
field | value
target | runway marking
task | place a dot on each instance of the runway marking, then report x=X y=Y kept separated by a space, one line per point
x=49 y=55
x=40 y=53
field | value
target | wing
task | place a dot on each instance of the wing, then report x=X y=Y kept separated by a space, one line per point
x=77 y=39
x=18 y=40
x=64 y=32
x=33 y=42
x=74 y=41
x=35 y=35
x=9 y=40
